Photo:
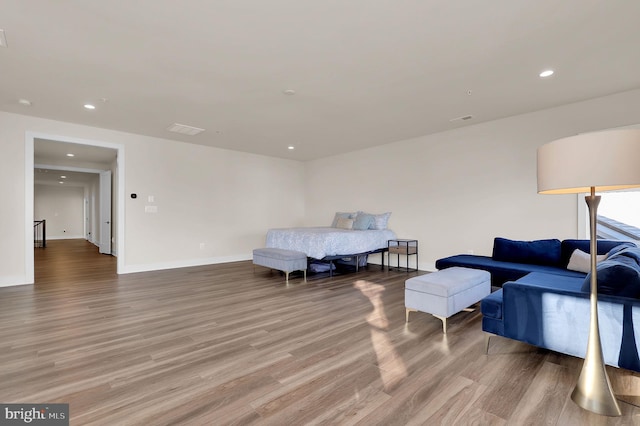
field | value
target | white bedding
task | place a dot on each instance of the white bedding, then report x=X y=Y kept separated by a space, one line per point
x=325 y=241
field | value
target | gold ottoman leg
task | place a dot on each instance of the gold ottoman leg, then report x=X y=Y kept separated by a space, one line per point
x=444 y=323
x=407 y=310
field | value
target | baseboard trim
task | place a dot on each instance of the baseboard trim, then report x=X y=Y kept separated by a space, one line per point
x=66 y=237
x=130 y=269
x=11 y=281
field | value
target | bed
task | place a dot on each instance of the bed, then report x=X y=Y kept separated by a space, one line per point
x=324 y=243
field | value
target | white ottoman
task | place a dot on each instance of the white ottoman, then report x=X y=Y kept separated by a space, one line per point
x=446 y=292
x=282 y=260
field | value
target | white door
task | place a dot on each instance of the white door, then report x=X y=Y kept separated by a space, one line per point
x=105 y=212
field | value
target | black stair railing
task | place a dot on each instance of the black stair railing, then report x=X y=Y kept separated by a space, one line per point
x=40 y=233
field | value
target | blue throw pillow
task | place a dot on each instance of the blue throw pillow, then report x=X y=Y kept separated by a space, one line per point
x=616 y=250
x=363 y=221
x=619 y=275
x=539 y=252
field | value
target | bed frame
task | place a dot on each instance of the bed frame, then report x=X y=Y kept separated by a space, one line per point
x=331 y=259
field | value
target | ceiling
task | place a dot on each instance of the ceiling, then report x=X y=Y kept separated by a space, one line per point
x=55 y=152
x=45 y=176
x=364 y=73
x=52 y=161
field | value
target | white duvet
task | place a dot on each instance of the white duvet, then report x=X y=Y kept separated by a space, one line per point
x=325 y=241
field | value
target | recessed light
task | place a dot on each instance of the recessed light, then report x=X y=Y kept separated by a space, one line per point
x=89 y=106
x=25 y=102
x=60 y=182
x=289 y=92
x=546 y=73
x=71 y=155
x=291 y=147
x=63 y=177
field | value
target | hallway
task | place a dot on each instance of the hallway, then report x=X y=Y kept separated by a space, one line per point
x=69 y=262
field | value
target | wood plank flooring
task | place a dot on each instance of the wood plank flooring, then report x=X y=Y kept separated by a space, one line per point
x=232 y=344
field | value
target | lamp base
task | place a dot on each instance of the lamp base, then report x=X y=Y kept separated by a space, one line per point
x=593 y=391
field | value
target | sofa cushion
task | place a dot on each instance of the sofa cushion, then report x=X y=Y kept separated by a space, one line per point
x=539 y=252
x=491 y=306
x=604 y=247
x=561 y=284
x=619 y=275
x=501 y=272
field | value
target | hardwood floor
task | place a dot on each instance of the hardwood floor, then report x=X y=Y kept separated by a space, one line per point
x=230 y=344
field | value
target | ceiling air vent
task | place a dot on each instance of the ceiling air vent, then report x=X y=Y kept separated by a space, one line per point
x=184 y=129
x=463 y=118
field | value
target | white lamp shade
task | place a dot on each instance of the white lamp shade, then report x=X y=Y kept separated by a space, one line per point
x=607 y=160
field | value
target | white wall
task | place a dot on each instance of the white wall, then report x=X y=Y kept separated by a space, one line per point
x=13 y=213
x=457 y=190
x=453 y=191
x=62 y=207
x=222 y=198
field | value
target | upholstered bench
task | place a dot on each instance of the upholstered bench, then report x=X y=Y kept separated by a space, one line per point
x=281 y=260
x=445 y=293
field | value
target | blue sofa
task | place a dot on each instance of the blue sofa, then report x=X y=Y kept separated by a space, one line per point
x=547 y=305
x=512 y=260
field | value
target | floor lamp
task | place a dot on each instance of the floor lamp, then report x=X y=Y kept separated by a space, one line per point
x=586 y=163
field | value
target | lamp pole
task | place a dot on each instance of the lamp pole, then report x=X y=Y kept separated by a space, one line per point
x=593 y=390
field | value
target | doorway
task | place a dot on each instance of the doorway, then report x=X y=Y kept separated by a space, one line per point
x=75 y=202
x=86 y=157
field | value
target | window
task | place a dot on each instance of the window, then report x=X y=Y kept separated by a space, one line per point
x=618 y=216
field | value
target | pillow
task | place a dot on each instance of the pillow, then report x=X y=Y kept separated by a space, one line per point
x=630 y=252
x=341 y=215
x=618 y=275
x=581 y=261
x=604 y=246
x=539 y=252
x=621 y=247
x=380 y=221
x=344 y=223
x=363 y=221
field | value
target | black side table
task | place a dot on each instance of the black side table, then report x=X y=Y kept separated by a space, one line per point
x=405 y=247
